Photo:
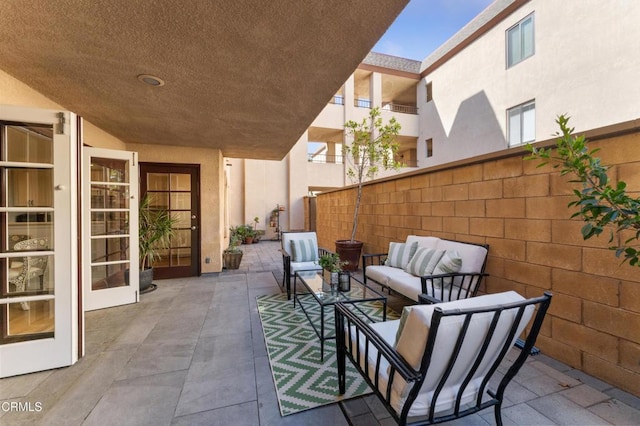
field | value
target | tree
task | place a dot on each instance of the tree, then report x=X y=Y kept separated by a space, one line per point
x=374 y=145
x=601 y=204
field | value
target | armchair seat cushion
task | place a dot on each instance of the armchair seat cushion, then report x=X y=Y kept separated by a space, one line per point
x=304 y=266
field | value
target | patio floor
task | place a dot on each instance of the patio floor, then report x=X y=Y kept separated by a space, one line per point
x=192 y=352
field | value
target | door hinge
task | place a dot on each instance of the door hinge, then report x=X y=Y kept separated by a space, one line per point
x=61 y=121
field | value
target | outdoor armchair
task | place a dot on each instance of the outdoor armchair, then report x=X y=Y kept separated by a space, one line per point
x=300 y=252
x=435 y=363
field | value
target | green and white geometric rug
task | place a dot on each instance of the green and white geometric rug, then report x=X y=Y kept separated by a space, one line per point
x=302 y=380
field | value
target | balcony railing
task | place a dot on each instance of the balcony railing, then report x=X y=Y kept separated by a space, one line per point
x=362 y=103
x=324 y=158
x=406 y=109
x=337 y=100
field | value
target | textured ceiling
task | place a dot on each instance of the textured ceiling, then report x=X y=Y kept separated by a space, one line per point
x=247 y=77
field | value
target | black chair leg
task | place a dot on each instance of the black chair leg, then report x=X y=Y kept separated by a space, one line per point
x=498 y=414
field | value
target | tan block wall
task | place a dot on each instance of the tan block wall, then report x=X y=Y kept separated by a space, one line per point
x=521 y=212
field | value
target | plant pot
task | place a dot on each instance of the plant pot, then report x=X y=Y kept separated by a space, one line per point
x=146 y=278
x=349 y=251
x=232 y=260
x=248 y=240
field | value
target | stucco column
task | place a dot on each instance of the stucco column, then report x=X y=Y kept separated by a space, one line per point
x=375 y=87
x=297 y=180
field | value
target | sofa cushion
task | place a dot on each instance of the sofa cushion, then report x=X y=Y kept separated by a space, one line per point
x=400 y=254
x=406 y=284
x=427 y=242
x=382 y=273
x=473 y=255
x=304 y=250
x=413 y=339
x=424 y=261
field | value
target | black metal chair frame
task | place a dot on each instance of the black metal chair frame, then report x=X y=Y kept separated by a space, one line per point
x=346 y=322
x=463 y=285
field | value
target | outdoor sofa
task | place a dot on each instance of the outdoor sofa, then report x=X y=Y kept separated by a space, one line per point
x=428 y=269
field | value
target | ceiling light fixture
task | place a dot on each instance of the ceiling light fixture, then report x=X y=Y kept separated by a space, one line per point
x=151 y=80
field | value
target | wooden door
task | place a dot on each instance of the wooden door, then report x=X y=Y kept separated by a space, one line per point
x=176 y=188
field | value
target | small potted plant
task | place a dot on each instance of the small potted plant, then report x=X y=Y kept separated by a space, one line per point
x=331 y=268
x=232 y=256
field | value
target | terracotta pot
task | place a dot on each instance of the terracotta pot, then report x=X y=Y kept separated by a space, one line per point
x=349 y=251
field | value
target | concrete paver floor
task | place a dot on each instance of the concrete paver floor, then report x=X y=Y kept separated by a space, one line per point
x=192 y=352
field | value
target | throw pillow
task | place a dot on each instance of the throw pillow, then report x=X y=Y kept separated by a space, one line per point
x=400 y=254
x=403 y=319
x=424 y=261
x=450 y=263
x=304 y=250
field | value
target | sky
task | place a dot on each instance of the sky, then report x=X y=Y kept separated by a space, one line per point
x=424 y=25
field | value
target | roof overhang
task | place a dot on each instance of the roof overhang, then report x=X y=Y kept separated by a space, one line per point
x=246 y=77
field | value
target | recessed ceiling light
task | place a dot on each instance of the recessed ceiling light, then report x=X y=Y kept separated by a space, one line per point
x=151 y=80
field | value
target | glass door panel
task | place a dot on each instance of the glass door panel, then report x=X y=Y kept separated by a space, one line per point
x=112 y=225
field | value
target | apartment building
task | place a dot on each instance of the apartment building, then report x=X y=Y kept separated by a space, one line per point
x=499 y=83
x=260 y=187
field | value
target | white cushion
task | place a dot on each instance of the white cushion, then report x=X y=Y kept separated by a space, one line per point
x=473 y=256
x=287 y=237
x=406 y=284
x=304 y=266
x=400 y=254
x=427 y=242
x=413 y=338
x=424 y=261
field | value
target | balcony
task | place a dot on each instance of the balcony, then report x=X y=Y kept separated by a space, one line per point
x=325 y=159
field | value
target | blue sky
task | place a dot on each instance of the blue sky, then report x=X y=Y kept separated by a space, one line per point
x=424 y=25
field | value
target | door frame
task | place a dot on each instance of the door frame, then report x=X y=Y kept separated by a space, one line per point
x=195 y=268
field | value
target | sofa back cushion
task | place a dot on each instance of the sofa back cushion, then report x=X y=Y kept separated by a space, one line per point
x=427 y=242
x=424 y=261
x=473 y=256
x=400 y=254
x=413 y=338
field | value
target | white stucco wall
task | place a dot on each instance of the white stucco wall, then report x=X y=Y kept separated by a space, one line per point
x=585 y=65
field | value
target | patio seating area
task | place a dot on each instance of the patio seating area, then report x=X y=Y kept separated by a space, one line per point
x=192 y=352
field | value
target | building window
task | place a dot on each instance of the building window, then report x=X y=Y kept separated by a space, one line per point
x=429 y=87
x=520 y=41
x=429 y=148
x=521 y=126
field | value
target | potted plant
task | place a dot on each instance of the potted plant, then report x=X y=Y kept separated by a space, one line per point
x=155 y=229
x=373 y=147
x=232 y=256
x=331 y=267
x=257 y=234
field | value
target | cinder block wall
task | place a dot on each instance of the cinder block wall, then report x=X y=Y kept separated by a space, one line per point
x=521 y=212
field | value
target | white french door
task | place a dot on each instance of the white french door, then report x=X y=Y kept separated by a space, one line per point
x=38 y=240
x=110 y=228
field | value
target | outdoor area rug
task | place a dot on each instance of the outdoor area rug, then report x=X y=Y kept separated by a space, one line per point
x=302 y=380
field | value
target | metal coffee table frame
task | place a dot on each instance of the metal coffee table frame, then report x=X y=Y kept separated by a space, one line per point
x=321 y=291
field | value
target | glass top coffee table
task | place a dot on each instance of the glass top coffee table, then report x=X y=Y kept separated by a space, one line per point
x=317 y=291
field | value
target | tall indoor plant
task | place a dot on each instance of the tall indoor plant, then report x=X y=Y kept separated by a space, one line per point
x=373 y=147
x=155 y=229
x=602 y=204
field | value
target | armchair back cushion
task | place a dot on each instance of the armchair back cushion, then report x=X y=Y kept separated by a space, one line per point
x=413 y=339
x=309 y=238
